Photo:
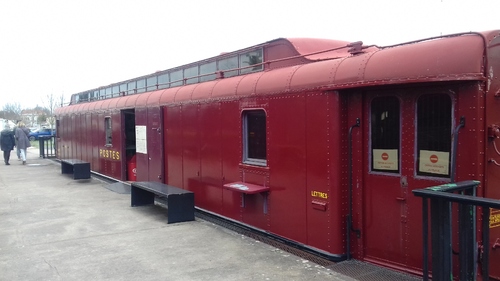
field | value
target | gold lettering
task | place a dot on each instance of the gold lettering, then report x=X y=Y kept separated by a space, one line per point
x=494 y=220
x=319 y=194
x=110 y=154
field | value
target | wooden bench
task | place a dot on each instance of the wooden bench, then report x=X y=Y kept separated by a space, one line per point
x=80 y=169
x=179 y=202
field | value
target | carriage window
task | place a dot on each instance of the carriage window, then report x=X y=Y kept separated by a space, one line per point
x=116 y=91
x=228 y=63
x=254 y=137
x=102 y=94
x=95 y=95
x=208 y=68
x=141 y=86
x=131 y=88
x=123 y=89
x=107 y=128
x=434 y=135
x=191 y=72
x=151 y=83
x=176 y=78
x=163 y=81
x=249 y=59
x=385 y=134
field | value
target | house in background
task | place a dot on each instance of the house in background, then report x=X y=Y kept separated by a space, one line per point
x=34 y=118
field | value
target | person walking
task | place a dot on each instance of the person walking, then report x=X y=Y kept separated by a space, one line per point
x=7 y=143
x=23 y=141
x=18 y=151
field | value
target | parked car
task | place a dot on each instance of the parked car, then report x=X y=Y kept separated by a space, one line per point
x=34 y=135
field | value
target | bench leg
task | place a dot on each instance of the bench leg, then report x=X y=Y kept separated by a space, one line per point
x=140 y=197
x=66 y=168
x=81 y=171
x=180 y=207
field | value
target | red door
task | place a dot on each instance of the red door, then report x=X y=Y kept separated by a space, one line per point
x=385 y=182
x=154 y=133
x=406 y=145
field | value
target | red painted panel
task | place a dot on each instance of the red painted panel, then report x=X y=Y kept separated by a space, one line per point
x=62 y=133
x=191 y=150
x=115 y=157
x=88 y=141
x=287 y=163
x=210 y=190
x=73 y=132
x=97 y=139
x=231 y=157
x=79 y=135
x=173 y=145
x=101 y=143
x=154 y=132
x=324 y=188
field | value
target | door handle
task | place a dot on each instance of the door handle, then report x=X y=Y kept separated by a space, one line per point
x=400 y=199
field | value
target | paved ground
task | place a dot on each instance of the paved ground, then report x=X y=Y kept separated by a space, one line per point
x=55 y=228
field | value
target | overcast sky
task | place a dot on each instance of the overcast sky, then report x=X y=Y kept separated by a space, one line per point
x=67 y=46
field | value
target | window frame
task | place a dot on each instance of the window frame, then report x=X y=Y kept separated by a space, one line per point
x=399 y=141
x=418 y=133
x=246 y=159
x=108 y=131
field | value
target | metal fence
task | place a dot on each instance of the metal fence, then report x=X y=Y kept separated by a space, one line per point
x=441 y=199
x=47 y=145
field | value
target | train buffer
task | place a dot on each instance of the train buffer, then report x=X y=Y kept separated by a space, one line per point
x=79 y=168
x=179 y=202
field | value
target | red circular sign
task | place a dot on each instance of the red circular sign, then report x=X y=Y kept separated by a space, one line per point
x=434 y=158
x=385 y=156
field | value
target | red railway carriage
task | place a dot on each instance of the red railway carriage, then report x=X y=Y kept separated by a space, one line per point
x=319 y=142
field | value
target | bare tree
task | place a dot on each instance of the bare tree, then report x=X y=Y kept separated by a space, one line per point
x=50 y=103
x=12 y=111
x=61 y=100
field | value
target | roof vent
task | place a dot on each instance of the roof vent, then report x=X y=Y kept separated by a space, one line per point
x=355 y=47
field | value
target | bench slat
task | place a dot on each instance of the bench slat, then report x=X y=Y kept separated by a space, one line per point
x=73 y=161
x=160 y=188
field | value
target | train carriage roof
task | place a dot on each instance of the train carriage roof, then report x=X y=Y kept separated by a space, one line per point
x=301 y=64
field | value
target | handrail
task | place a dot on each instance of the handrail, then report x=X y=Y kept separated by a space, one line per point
x=441 y=199
x=349 y=227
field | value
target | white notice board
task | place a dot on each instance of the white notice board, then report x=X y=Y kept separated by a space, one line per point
x=141 y=143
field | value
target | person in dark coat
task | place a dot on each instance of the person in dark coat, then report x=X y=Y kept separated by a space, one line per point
x=23 y=141
x=7 y=143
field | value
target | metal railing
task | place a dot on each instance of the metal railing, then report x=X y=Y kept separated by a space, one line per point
x=441 y=198
x=47 y=145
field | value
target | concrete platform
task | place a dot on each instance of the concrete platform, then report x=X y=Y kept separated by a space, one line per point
x=55 y=228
